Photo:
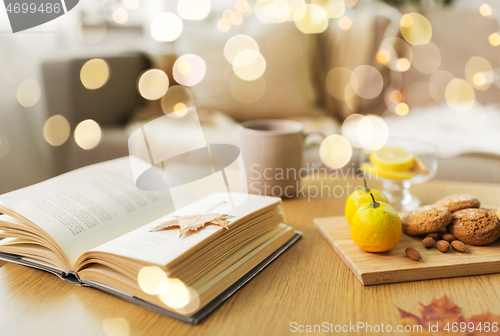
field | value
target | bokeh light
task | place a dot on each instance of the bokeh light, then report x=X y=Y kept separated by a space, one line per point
x=383 y=56
x=120 y=16
x=4 y=146
x=284 y=49
x=193 y=9
x=192 y=305
x=345 y=23
x=117 y=326
x=249 y=65
x=494 y=39
x=364 y=131
x=370 y=132
x=131 y=4
x=395 y=96
x=247 y=91
x=402 y=109
x=379 y=131
x=350 y=132
x=479 y=73
x=437 y=85
x=311 y=19
x=426 y=58
x=94 y=73
x=180 y=110
x=337 y=81
x=485 y=10
x=349 y=97
x=176 y=294
x=224 y=25
x=333 y=8
x=415 y=28
x=403 y=64
x=15 y=70
x=366 y=81
x=392 y=50
x=189 y=69
x=459 y=95
x=236 y=19
x=56 y=130
x=237 y=44
x=276 y=11
x=88 y=134
x=153 y=84
x=92 y=29
x=242 y=6
x=166 y=27
x=335 y=151
x=175 y=96
x=28 y=92
x=270 y=10
x=152 y=280
x=227 y=14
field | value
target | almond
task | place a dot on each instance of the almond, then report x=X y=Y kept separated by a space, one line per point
x=459 y=246
x=428 y=242
x=449 y=237
x=443 y=246
x=434 y=236
x=413 y=254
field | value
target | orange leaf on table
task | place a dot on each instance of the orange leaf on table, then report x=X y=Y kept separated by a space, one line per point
x=443 y=311
x=482 y=318
x=194 y=222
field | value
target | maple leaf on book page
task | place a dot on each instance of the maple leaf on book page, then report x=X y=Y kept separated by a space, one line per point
x=194 y=222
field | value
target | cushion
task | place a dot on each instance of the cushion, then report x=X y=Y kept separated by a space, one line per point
x=111 y=104
x=284 y=90
x=344 y=51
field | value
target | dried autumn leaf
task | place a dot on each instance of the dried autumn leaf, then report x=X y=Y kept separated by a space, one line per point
x=194 y=222
x=444 y=313
x=440 y=310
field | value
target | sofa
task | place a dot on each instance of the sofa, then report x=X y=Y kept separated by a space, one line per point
x=295 y=85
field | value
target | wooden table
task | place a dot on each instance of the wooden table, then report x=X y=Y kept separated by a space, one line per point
x=308 y=284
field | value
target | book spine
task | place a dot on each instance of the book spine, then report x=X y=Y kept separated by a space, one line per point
x=73 y=278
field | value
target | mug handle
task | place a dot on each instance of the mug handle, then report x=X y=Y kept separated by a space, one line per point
x=318 y=164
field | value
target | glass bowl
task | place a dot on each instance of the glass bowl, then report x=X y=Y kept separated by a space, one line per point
x=397 y=176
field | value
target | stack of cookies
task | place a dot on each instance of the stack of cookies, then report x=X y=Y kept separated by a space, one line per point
x=462 y=217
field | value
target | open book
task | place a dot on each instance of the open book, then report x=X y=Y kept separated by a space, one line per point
x=93 y=227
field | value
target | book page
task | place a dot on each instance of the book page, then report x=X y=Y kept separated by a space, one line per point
x=162 y=247
x=84 y=208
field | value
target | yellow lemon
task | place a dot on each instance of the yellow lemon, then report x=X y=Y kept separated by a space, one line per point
x=376 y=227
x=360 y=197
x=376 y=171
x=392 y=158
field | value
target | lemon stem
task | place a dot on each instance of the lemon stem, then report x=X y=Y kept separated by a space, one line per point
x=366 y=187
x=374 y=204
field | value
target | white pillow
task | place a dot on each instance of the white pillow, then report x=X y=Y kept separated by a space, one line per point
x=288 y=88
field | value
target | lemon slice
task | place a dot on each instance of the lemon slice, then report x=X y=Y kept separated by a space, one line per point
x=392 y=158
x=377 y=172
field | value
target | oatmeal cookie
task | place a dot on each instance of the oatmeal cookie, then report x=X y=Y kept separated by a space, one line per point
x=474 y=226
x=459 y=202
x=426 y=219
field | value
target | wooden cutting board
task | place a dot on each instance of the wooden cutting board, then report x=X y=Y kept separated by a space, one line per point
x=395 y=266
